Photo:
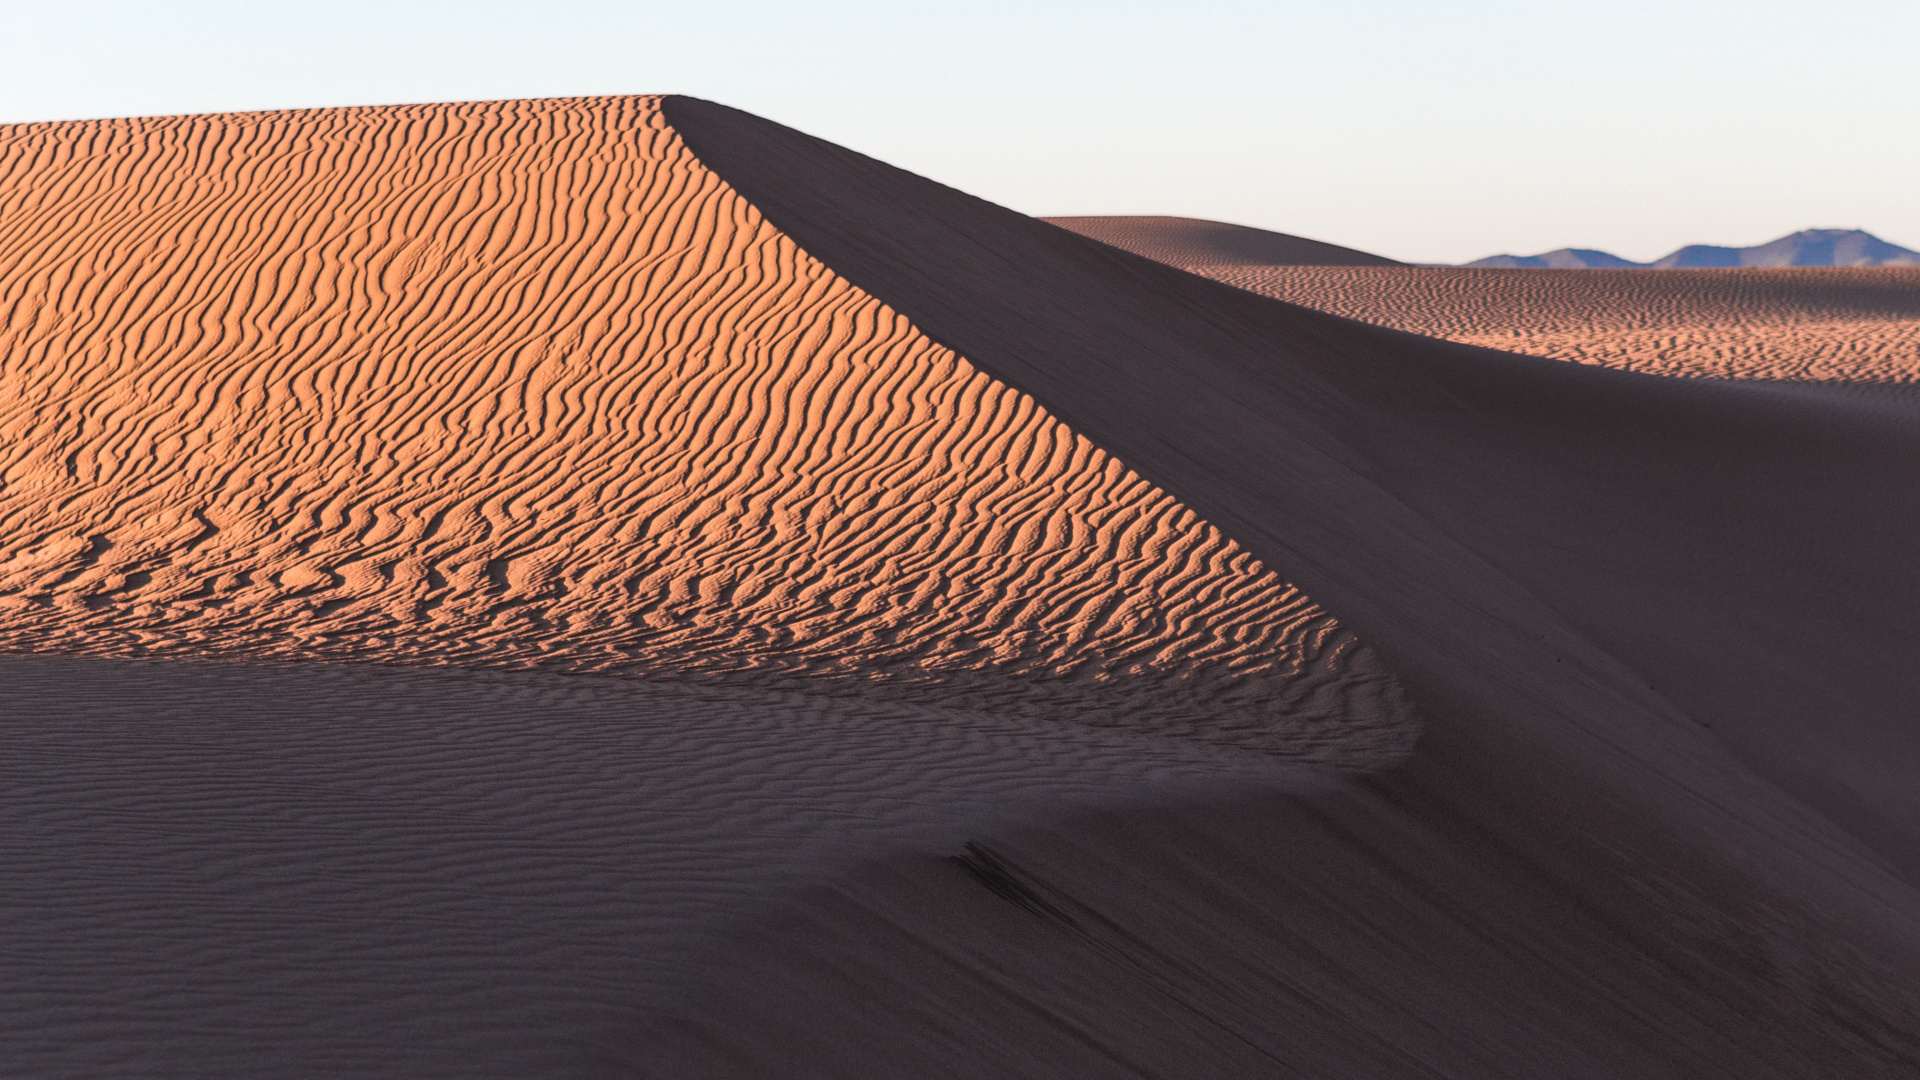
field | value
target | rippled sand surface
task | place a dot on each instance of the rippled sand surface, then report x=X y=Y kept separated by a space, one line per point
x=1833 y=326
x=524 y=384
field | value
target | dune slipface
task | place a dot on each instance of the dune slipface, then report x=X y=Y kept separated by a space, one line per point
x=1661 y=820
x=525 y=385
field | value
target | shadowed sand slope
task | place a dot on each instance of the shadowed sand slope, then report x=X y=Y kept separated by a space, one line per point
x=1179 y=240
x=524 y=385
x=1658 y=629
x=331 y=870
x=1829 y=325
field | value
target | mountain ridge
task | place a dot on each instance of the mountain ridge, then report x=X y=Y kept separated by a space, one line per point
x=1808 y=247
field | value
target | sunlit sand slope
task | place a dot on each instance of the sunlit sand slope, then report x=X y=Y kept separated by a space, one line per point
x=523 y=384
x=1827 y=325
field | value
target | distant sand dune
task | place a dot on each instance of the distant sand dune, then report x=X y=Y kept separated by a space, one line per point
x=1180 y=241
x=1827 y=325
x=524 y=385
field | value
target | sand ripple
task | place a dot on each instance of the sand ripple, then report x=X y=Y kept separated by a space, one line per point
x=1855 y=326
x=524 y=385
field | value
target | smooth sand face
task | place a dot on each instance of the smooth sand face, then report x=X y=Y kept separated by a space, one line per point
x=1827 y=325
x=1181 y=241
x=524 y=385
x=1659 y=633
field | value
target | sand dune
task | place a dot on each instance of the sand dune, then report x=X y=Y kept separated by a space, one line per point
x=523 y=385
x=1651 y=624
x=593 y=587
x=325 y=870
x=1842 y=327
x=1179 y=240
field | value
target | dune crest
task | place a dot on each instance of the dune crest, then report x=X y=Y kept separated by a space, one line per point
x=1191 y=240
x=523 y=384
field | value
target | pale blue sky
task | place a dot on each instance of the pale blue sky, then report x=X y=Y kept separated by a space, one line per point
x=1426 y=131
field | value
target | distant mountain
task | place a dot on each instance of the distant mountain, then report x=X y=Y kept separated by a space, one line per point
x=1563 y=259
x=1195 y=242
x=1809 y=247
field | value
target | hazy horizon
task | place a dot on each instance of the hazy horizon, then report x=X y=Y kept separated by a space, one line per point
x=1423 y=135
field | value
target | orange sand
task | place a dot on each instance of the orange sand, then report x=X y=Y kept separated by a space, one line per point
x=524 y=384
x=1834 y=326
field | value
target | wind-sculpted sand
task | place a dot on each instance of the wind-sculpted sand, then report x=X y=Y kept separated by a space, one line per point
x=612 y=587
x=1661 y=820
x=326 y=870
x=524 y=385
x=1858 y=328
